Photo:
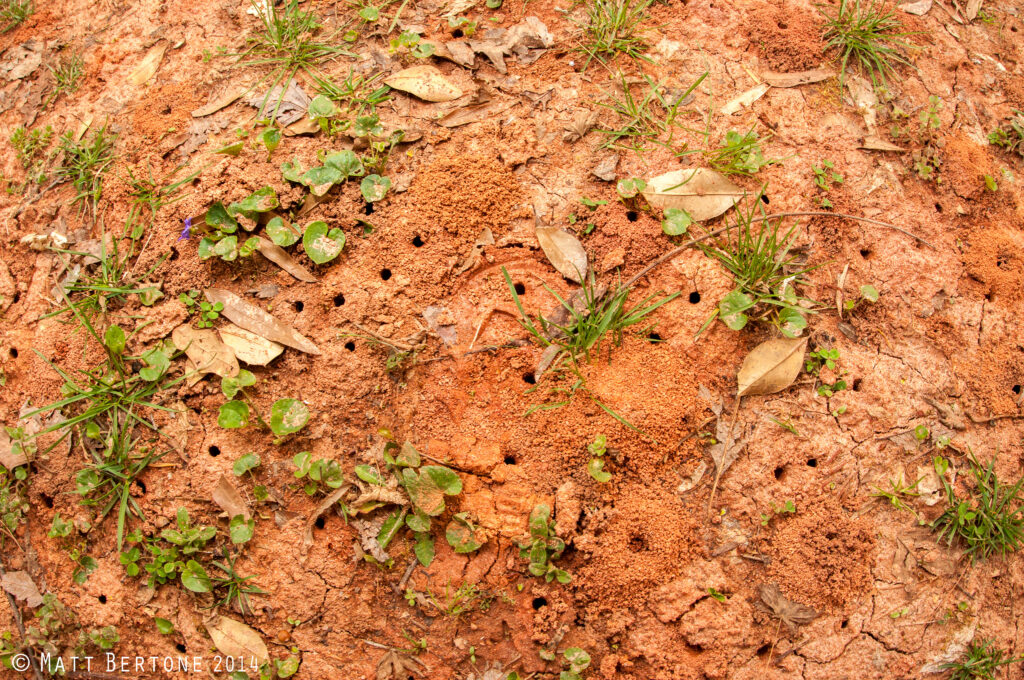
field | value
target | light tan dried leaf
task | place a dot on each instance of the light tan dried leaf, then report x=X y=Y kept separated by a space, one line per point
x=973 y=7
x=815 y=75
x=282 y=259
x=396 y=666
x=234 y=638
x=564 y=251
x=325 y=505
x=150 y=63
x=745 y=100
x=605 y=169
x=252 y=318
x=771 y=367
x=248 y=347
x=486 y=238
x=229 y=96
x=21 y=585
x=206 y=351
x=426 y=82
x=873 y=143
x=381 y=494
x=701 y=192
x=919 y=8
x=303 y=126
x=456 y=51
x=791 y=613
x=8 y=458
x=230 y=501
x=472 y=114
x=724 y=453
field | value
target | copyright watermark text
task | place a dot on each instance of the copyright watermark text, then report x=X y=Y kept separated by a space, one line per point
x=132 y=665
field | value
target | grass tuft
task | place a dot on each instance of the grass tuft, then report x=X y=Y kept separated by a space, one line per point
x=67 y=77
x=650 y=118
x=989 y=520
x=982 y=662
x=867 y=34
x=85 y=162
x=612 y=27
x=13 y=12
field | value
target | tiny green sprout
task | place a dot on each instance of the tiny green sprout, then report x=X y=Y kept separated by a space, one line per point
x=929 y=116
x=163 y=625
x=785 y=425
x=717 y=595
x=592 y=204
x=676 y=222
x=629 y=188
x=60 y=528
x=990 y=183
x=596 y=465
x=981 y=661
x=898 y=613
x=921 y=433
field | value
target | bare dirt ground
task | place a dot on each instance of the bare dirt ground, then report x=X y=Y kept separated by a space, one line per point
x=419 y=340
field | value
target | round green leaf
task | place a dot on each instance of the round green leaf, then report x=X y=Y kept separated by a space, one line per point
x=226 y=248
x=292 y=171
x=445 y=479
x=731 y=309
x=417 y=520
x=374 y=187
x=217 y=216
x=114 y=339
x=676 y=222
x=347 y=162
x=369 y=14
x=321 y=107
x=791 y=322
x=259 y=201
x=464 y=536
x=320 y=244
x=241 y=529
x=869 y=293
x=163 y=625
x=233 y=415
x=288 y=416
x=321 y=178
x=424 y=549
x=281 y=233
x=194 y=578
x=249 y=461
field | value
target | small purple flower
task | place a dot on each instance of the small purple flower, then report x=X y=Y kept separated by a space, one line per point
x=186 y=233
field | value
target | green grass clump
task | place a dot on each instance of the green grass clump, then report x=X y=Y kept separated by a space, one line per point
x=13 y=12
x=983 y=661
x=738 y=155
x=30 y=147
x=613 y=27
x=647 y=118
x=67 y=77
x=868 y=34
x=288 y=44
x=989 y=520
x=85 y=162
x=1011 y=135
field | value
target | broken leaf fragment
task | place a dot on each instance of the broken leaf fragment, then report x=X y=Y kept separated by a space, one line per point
x=226 y=496
x=149 y=64
x=252 y=318
x=701 y=192
x=791 y=613
x=22 y=587
x=463 y=535
x=426 y=82
x=282 y=259
x=771 y=367
x=564 y=251
x=798 y=78
x=248 y=347
x=206 y=351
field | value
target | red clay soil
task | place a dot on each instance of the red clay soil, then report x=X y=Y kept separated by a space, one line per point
x=421 y=341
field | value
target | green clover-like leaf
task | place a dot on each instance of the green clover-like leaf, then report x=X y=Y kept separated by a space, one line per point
x=288 y=416
x=321 y=243
x=280 y=232
x=374 y=187
x=233 y=415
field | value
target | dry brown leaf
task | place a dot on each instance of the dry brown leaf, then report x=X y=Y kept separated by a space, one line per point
x=815 y=75
x=486 y=238
x=8 y=458
x=564 y=251
x=396 y=666
x=791 y=613
x=368 y=530
x=234 y=638
x=282 y=259
x=703 y=193
x=377 y=496
x=21 y=60
x=229 y=96
x=426 y=82
x=252 y=318
x=21 y=585
x=472 y=114
x=206 y=351
x=290 y=107
x=973 y=7
x=303 y=126
x=745 y=100
x=230 y=501
x=150 y=63
x=582 y=122
x=248 y=347
x=919 y=8
x=724 y=453
x=863 y=98
x=873 y=143
x=771 y=367
x=325 y=505
x=456 y=51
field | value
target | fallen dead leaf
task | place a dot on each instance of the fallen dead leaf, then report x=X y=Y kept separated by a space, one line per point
x=149 y=64
x=745 y=100
x=229 y=96
x=248 y=347
x=396 y=666
x=973 y=7
x=693 y=480
x=207 y=352
x=564 y=251
x=426 y=82
x=791 y=613
x=282 y=259
x=22 y=587
x=723 y=452
x=293 y=104
x=919 y=8
x=873 y=143
x=771 y=367
x=325 y=505
x=863 y=98
x=235 y=639
x=21 y=60
x=582 y=122
x=368 y=530
x=252 y=318
x=701 y=192
x=472 y=114
x=486 y=238
x=815 y=75
x=230 y=501
x=8 y=458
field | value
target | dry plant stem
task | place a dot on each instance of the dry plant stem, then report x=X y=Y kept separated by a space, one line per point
x=390 y=343
x=813 y=213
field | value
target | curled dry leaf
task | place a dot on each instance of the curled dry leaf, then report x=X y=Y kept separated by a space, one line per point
x=252 y=318
x=395 y=665
x=230 y=501
x=746 y=99
x=150 y=63
x=703 y=193
x=564 y=251
x=22 y=587
x=724 y=453
x=235 y=639
x=205 y=350
x=815 y=75
x=248 y=347
x=791 y=613
x=486 y=238
x=368 y=532
x=426 y=82
x=771 y=367
x=325 y=505
x=873 y=143
x=282 y=259
x=230 y=96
